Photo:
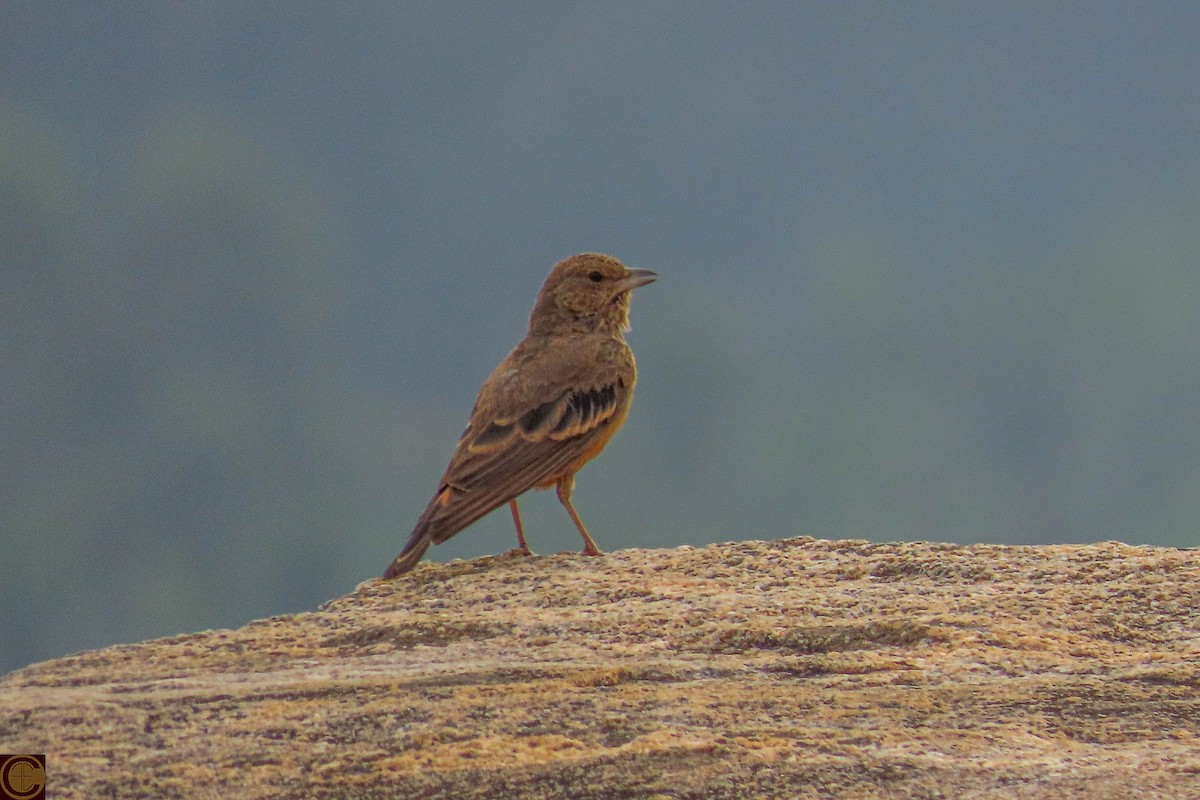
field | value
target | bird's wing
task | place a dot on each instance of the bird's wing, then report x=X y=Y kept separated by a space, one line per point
x=529 y=428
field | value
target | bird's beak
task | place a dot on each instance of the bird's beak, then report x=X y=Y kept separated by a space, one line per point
x=637 y=277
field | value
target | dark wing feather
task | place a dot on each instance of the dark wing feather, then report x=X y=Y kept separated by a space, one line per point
x=509 y=457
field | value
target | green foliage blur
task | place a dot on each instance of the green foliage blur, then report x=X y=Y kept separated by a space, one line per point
x=924 y=274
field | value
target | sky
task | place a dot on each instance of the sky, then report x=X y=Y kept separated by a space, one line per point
x=927 y=272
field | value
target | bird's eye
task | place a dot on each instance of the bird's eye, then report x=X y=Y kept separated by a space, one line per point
x=594 y=276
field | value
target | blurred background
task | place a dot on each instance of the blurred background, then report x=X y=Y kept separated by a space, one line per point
x=927 y=272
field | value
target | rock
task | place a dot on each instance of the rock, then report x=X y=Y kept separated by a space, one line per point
x=795 y=668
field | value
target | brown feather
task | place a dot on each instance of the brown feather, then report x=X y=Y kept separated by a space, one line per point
x=548 y=408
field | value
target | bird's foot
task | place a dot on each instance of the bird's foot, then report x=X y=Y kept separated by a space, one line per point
x=519 y=551
x=591 y=550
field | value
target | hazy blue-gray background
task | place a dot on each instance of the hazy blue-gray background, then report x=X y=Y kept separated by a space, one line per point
x=927 y=272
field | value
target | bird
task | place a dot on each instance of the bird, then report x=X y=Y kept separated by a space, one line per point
x=547 y=409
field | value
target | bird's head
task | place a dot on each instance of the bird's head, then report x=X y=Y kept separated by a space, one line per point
x=588 y=292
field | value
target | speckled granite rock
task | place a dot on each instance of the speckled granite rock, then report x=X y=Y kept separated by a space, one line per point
x=796 y=668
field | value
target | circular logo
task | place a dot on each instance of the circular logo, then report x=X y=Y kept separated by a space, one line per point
x=22 y=776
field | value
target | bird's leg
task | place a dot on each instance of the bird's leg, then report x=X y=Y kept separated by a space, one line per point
x=524 y=548
x=565 y=486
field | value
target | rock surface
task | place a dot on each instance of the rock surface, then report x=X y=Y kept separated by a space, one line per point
x=796 y=668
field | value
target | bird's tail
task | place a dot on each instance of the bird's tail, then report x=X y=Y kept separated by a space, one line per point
x=418 y=543
x=446 y=515
x=423 y=535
